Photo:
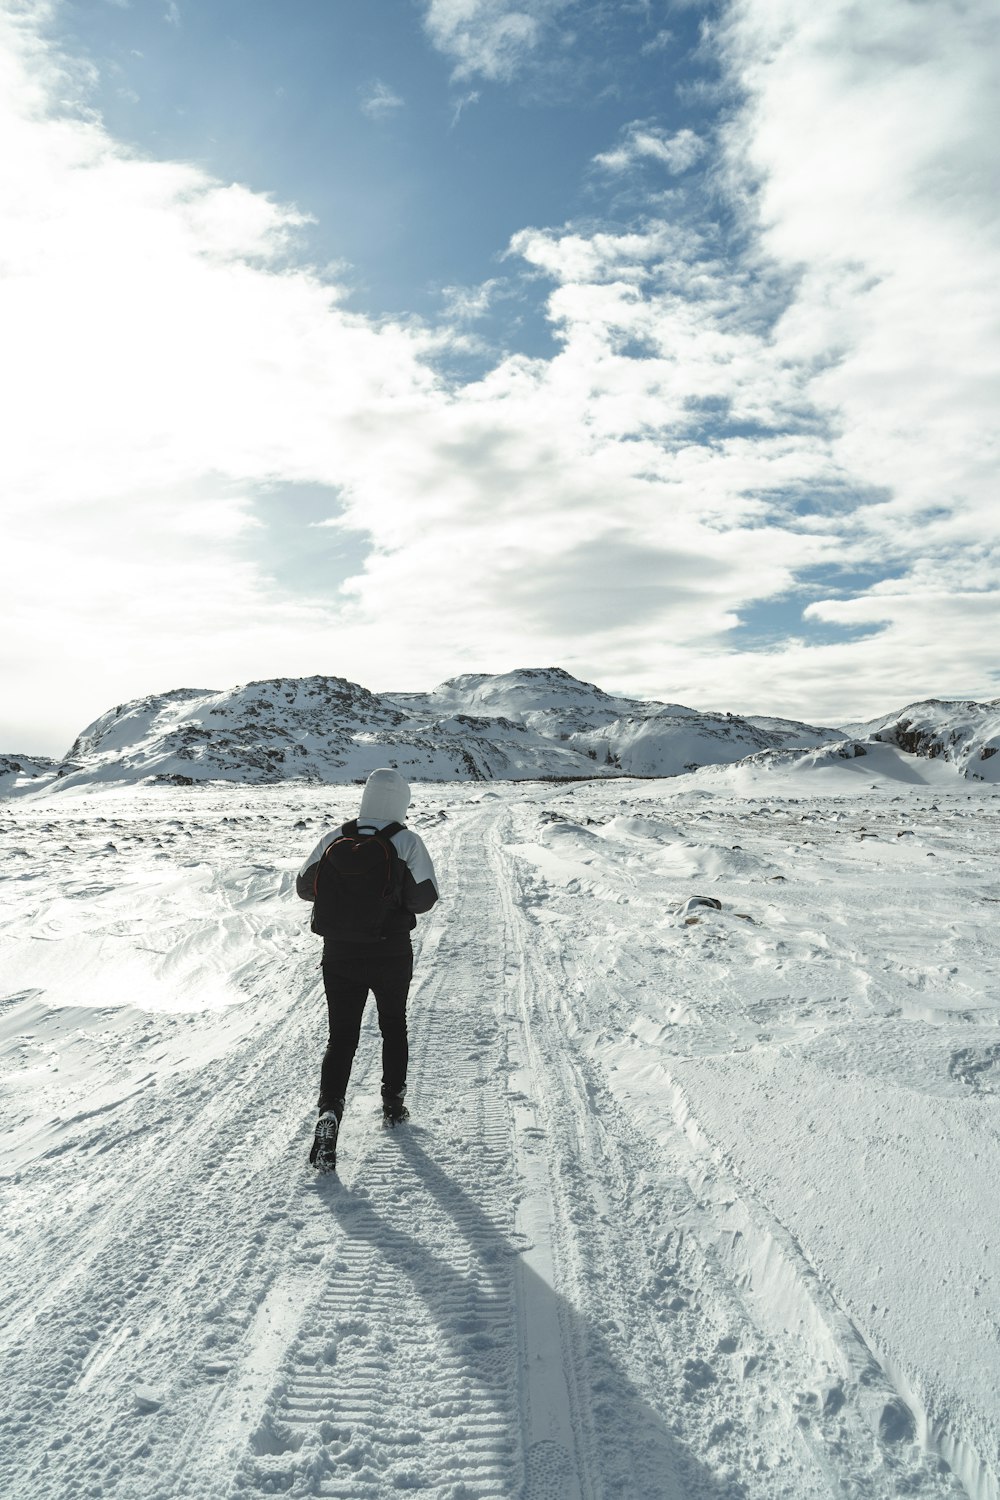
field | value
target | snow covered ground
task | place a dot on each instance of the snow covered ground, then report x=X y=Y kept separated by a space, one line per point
x=696 y=1203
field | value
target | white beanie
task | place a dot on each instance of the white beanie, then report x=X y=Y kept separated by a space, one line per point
x=385 y=798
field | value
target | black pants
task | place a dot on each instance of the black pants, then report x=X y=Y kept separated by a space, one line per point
x=349 y=973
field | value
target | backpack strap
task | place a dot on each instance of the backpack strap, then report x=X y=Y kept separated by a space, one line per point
x=350 y=831
x=387 y=832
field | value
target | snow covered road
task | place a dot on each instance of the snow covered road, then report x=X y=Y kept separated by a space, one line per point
x=694 y=1202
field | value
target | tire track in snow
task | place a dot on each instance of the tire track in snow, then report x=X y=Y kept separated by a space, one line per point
x=469 y=1311
x=658 y=1347
x=462 y=1342
x=592 y=1406
x=172 y=1239
x=418 y=1392
x=753 y=1400
x=404 y=1372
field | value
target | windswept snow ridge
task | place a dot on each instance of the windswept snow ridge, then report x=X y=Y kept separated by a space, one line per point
x=696 y=1203
x=537 y=722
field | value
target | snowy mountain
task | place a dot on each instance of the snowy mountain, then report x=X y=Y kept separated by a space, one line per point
x=535 y=722
x=282 y=729
x=956 y=738
x=637 y=738
x=966 y=735
x=321 y=729
x=548 y=699
x=19 y=772
x=672 y=739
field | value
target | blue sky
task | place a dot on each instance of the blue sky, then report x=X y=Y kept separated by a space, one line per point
x=399 y=339
x=416 y=178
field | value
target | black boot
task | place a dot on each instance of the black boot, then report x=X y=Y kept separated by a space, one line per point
x=394 y=1111
x=323 y=1155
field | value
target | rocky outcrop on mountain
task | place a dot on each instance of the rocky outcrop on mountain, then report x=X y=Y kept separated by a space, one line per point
x=963 y=733
x=322 y=729
x=618 y=735
x=280 y=729
x=310 y=728
x=539 y=722
x=664 y=742
x=546 y=699
x=23 y=773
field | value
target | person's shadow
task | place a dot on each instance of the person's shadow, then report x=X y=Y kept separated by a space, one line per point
x=622 y=1442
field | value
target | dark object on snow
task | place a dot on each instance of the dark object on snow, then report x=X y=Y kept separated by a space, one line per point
x=367 y=888
x=689 y=909
x=394 y=1111
x=350 y=971
x=359 y=882
x=693 y=902
x=323 y=1155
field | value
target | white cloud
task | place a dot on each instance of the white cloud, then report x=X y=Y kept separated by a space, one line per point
x=464 y=102
x=489 y=38
x=658 y=43
x=600 y=255
x=464 y=304
x=158 y=350
x=167 y=352
x=615 y=507
x=871 y=136
x=677 y=152
x=380 y=101
x=868 y=137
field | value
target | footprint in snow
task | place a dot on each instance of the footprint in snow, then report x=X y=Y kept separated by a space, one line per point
x=979 y=1067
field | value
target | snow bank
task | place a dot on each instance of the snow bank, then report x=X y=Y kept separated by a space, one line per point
x=827 y=1043
x=699 y=1197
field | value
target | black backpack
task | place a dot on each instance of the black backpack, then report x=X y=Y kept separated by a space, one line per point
x=359 y=882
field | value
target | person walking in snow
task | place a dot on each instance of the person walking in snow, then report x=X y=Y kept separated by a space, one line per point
x=367 y=881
